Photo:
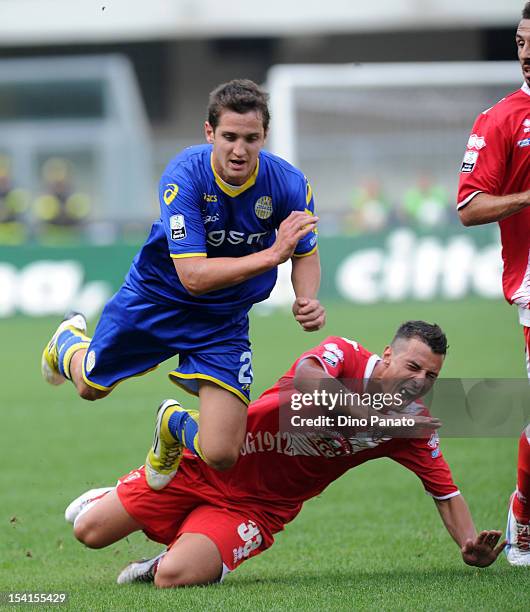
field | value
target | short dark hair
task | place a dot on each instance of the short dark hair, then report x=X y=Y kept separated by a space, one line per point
x=431 y=335
x=240 y=96
x=526 y=11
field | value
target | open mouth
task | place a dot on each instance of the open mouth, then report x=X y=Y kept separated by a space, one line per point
x=407 y=394
x=236 y=163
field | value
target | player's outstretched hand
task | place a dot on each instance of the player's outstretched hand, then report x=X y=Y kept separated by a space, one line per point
x=297 y=225
x=484 y=550
x=309 y=313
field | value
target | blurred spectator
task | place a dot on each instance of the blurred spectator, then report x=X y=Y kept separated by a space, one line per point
x=426 y=204
x=370 y=209
x=61 y=211
x=13 y=206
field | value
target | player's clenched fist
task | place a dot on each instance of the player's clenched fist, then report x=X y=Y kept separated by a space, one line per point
x=297 y=225
x=309 y=313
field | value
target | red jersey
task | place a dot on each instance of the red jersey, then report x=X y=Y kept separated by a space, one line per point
x=497 y=162
x=277 y=470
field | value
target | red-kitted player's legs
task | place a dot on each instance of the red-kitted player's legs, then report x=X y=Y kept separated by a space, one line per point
x=521 y=502
x=518 y=528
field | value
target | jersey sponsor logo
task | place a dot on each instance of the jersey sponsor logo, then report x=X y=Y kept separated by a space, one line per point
x=469 y=161
x=178 y=227
x=523 y=143
x=330 y=445
x=209 y=197
x=90 y=361
x=211 y=219
x=251 y=536
x=263 y=207
x=170 y=193
x=217 y=237
x=476 y=142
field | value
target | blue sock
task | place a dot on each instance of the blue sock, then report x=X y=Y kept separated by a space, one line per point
x=184 y=427
x=69 y=342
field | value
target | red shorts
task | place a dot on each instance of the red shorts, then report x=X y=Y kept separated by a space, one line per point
x=526 y=331
x=191 y=505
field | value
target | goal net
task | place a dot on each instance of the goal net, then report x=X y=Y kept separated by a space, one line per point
x=388 y=126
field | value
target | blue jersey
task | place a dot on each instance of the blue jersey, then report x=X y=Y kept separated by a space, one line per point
x=201 y=216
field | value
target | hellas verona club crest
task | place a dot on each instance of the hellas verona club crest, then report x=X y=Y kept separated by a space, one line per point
x=263 y=207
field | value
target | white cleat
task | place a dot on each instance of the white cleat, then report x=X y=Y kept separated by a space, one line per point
x=140 y=571
x=49 y=364
x=518 y=537
x=84 y=502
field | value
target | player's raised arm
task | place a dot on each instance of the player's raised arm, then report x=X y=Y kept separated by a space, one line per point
x=201 y=275
x=479 y=550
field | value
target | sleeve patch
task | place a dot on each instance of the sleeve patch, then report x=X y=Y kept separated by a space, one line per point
x=469 y=161
x=332 y=355
x=178 y=227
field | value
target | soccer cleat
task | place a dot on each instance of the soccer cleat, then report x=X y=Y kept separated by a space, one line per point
x=164 y=456
x=518 y=537
x=83 y=503
x=140 y=571
x=50 y=354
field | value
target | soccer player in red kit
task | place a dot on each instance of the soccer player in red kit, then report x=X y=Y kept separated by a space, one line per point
x=212 y=521
x=495 y=186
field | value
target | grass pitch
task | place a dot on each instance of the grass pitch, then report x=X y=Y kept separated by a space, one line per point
x=372 y=540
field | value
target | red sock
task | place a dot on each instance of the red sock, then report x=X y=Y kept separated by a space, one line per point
x=521 y=500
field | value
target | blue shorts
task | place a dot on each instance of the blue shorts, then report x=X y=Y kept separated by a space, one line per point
x=134 y=335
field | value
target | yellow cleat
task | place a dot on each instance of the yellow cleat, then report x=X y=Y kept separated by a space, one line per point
x=164 y=456
x=50 y=355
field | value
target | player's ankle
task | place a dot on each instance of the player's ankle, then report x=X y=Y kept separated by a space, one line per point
x=521 y=510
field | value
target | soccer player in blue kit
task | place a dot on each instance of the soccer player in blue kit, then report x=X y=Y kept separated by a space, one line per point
x=230 y=214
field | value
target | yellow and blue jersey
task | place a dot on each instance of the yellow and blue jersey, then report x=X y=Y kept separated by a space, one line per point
x=202 y=216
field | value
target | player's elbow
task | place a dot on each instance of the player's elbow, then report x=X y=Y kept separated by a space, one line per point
x=308 y=374
x=191 y=276
x=193 y=287
x=465 y=217
x=191 y=281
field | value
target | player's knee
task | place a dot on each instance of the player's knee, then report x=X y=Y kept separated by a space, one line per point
x=169 y=580
x=221 y=461
x=91 y=394
x=168 y=577
x=87 y=533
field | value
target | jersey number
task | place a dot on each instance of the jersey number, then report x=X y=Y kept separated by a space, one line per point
x=245 y=371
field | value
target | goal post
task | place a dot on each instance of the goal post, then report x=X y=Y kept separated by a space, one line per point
x=345 y=123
